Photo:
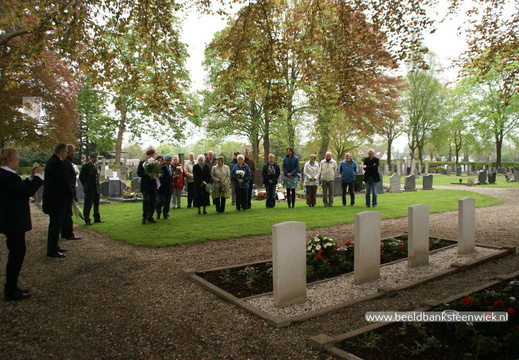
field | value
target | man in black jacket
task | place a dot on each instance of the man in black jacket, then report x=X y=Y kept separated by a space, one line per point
x=89 y=177
x=148 y=187
x=57 y=194
x=15 y=217
x=165 y=189
x=67 y=228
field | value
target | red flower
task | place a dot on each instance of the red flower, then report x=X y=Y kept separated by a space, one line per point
x=337 y=247
x=326 y=260
x=511 y=311
x=347 y=243
x=400 y=245
x=340 y=258
x=468 y=301
x=318 y=256
x=320 y=251
x=499 y=303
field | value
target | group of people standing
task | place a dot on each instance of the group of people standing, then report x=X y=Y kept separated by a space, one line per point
x=209 y=177
x=59 y=193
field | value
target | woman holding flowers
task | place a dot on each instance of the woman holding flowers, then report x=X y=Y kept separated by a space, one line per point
x=202 y=177
x=311 y=171
x=240 y=174
x=221 y=176
x=291 y=172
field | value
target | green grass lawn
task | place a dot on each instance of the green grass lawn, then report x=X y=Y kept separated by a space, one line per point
x=123 y=220
x=439 y=179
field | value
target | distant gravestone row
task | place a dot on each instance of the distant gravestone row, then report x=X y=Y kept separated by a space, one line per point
x=289 y=248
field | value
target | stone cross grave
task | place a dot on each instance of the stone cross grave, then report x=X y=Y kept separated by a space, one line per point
x=410 y=183
x=289 y=263
x=427 y=182
x=418 y=241
x=466 y=225
x=394 y=183
x=367 y=247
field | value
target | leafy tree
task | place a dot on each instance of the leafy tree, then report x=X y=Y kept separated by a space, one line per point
x=52 y=83
x=424 y=108
x=495 y=116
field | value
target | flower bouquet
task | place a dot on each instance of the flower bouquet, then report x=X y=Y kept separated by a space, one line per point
x=151 y=166
x=222 y=191
x=240 y=174
x=209 y=187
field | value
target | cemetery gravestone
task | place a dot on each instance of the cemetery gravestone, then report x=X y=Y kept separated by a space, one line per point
x=410 y=183
x=80 y=194
x=359 y=179
x=135 y=185
x=492 y=178
x=394 y=184
x=367 y=247
x=289 y=263
x=116 y=187
x=482 y=176
x=418 y=241
x=516 y=175
x=466 y=225
x=386 y=169
x=105 y=189
x=337 y=186
x=427 y=181
x=258 y=178
x=379 y=186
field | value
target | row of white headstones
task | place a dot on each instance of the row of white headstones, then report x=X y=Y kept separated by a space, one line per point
x=289 y=248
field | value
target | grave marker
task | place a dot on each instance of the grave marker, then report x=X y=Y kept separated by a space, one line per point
x=289 y=263
x=394 y=184
x=410 y=183
x=418 y=241
x=427 y=182
x=367 y=247
x=466 y=225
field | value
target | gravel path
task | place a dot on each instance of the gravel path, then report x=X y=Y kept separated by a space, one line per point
x=110 y=300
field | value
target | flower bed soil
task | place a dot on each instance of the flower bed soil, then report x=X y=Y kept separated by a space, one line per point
x=447 y=340
x=231 y=281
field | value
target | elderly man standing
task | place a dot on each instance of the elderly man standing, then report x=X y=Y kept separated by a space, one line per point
x=89 y=177
x=148 y=187
x=371 y=176
x=15 y=217
x=57 y=195
x=348 y=169
x=188 y=174
x=328 y=172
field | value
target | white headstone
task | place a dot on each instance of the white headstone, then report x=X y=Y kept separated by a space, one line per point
x=367 y=247
x=394 y=183
x=289 y=263
x=466 y=225
x=418 y=241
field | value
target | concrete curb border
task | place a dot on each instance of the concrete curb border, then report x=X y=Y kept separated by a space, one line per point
x=284 y=321
x=326 y=343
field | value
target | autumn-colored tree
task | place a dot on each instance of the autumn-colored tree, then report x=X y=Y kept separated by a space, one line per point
x=52 y=83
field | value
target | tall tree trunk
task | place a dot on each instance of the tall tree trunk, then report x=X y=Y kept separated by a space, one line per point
x=291 y=131
x=389 y=144
x=122 y=127
x=266 y=137
x=323 y=125
x=499 y=147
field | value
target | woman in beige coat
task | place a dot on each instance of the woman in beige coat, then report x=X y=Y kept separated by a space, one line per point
x=221 y=176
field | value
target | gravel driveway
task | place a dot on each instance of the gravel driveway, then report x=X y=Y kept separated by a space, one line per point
x=110 y=300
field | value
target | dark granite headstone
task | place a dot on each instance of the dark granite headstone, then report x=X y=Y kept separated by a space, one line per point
x=410 y=183
x=116 y=187
x=135 y=184
x=79 y=191
x=492 y=178
x=337 y=187
x=105 y=189
x=258 y=178
x=359 y=179
x=427 y=182
x=482 y=176
x=379 y=186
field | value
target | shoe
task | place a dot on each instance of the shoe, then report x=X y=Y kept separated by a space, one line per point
x=144 y=221
x=88 y=223
x=152 y=220
x=166 y=217
x=17 y=295
x=352 y=204
x=73 y=238
x=375 y=205
x=61 y=250
x=368 y=206
x=99 y=221
x=56 y=254
x=205 y=212
x=26 y=291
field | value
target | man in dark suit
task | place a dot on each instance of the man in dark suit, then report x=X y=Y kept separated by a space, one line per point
x=148 y=188
x=89 y=177
x=57 y=194
x=15 y=217
x=165 y=190
x=67 y=228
